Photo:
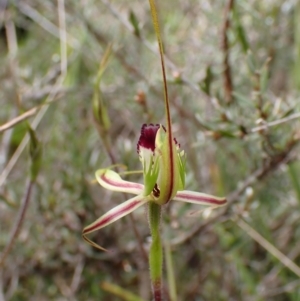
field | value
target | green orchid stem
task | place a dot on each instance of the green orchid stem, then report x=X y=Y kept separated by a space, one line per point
x=156 y=254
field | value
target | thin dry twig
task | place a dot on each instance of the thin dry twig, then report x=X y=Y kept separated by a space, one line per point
x=45 y=23
x=270 y=277
x=13 y=160
x=52 y=96
x=77 y=275
x=62 y=36
x=290 y=287
x=13 y=285
x=2 y=298
x=19 y=119
x=18 y=223
x=267 y=245
x=275 y=122
x=39 y=93
x=223 y=215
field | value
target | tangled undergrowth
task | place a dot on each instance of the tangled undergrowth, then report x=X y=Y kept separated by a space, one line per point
x=233 y=76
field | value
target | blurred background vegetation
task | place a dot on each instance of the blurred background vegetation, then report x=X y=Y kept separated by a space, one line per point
x=233 y=69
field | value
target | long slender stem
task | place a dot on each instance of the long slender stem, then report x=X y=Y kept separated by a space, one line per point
x=156 y=254
x=18 y=224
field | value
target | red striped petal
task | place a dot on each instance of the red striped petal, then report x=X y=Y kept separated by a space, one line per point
x=112 y=181
x=199 y=198
x=113 y=215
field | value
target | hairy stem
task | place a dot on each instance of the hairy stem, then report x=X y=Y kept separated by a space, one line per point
x=156 y=255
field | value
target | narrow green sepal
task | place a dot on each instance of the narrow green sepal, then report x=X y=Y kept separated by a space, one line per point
x=182 y=165
x=150 y=175
x=160 y=138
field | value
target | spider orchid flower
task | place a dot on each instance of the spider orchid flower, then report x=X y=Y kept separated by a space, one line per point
x=164 y=179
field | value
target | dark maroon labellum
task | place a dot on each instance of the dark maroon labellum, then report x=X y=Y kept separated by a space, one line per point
x=147 y=138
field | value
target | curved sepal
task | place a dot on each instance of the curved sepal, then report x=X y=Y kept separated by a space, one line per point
x=182 y=163
x=113 y=215
x=111 y=180
x=199 y=198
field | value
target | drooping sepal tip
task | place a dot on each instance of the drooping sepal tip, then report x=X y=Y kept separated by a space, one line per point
x=113 y=215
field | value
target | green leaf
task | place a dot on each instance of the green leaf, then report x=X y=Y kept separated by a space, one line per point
x=99 y=108
x=288 y=112
x=35 y=152
x=240 y=32
x=294 y=175
x=18 y=134
x=205 y=84
x=120 y=292
x=135 y=23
